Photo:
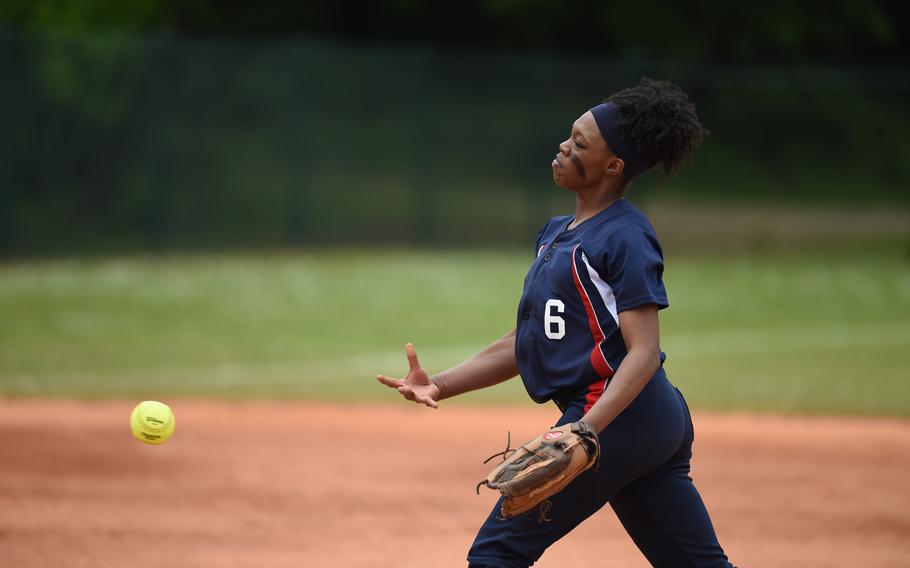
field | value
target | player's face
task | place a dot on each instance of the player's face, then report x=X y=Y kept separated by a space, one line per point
x=582 y=158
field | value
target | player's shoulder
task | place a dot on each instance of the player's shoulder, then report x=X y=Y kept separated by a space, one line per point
x=628 y=223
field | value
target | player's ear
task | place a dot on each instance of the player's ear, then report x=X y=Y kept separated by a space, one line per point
x=614 y=166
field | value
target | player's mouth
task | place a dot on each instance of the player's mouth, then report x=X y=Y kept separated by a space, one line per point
x=556 y=163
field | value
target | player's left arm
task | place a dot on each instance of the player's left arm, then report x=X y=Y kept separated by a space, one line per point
x=641 y=331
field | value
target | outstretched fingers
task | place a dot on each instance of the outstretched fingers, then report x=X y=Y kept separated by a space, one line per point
x=389 y=381
x=415 y=386
x=413 y=363
x=427 y=401
x=411 y=395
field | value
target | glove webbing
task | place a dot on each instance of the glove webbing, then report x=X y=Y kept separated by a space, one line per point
x=544 y=507
x=505 y=455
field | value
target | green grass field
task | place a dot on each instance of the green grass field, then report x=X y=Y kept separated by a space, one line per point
x=808 y=332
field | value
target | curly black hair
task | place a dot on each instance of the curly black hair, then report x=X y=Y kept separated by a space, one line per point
x=659 y=118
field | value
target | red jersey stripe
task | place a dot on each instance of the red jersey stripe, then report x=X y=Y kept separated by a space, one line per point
x=598 y=361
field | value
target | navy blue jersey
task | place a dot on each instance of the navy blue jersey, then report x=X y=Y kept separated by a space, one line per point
x=568 y=335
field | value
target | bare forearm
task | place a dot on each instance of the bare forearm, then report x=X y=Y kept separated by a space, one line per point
x=637 y=368
x=495 y=364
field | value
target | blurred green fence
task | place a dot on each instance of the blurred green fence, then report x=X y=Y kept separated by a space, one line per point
x=123 y=143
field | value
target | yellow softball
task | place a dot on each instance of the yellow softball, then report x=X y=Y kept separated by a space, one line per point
x=152 y=422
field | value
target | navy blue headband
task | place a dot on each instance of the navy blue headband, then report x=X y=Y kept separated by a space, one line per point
x=606 y=115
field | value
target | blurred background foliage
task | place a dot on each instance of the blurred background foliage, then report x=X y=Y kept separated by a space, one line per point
x=781 y=31
x=166 y=126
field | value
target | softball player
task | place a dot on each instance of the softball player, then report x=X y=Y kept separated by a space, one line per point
x=587 y=338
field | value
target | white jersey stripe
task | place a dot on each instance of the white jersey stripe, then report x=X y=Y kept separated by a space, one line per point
x=604 y=289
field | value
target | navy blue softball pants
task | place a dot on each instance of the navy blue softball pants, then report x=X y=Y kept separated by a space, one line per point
x=643 y=474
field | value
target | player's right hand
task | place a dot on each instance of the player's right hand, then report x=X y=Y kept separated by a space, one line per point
x=417 y=385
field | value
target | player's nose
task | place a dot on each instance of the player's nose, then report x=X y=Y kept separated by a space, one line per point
x=564 y=148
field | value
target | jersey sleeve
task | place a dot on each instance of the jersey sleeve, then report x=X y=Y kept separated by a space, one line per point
x=635 y=268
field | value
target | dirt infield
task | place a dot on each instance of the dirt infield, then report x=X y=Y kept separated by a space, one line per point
x=264 y=485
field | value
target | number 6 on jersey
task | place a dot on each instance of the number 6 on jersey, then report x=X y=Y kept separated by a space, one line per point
x=549 y=319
